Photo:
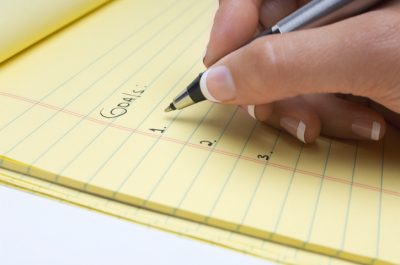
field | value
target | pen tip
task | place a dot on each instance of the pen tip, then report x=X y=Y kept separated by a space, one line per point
x=171 y=107
x=168 y=109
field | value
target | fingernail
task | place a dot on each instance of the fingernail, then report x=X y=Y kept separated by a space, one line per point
x=251 y=111
x=366 y=128
x=294 y=127
x=205 y=53
x=217 y=85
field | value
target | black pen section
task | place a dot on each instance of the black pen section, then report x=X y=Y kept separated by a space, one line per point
x=195 y=91
x=171 y=106
x=191 y=95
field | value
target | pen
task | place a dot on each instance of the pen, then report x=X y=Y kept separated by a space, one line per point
x=313 y=14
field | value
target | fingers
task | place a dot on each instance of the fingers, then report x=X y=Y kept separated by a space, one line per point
x=353 y=56
x=344 y=119
x=234 y=24
x=272 y=11
x=389 y=116
x=292 y=115
x=308 y=116
x=259 y=112
x=238 y=21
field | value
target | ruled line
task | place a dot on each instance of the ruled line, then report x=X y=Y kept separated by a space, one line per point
x=101 y=77
x=286 y=195
x=92 y=63
x=318 y=196
x=176 y=156
x=348 y=204
x=254 y=160
x=380 y=205
x=132 y=75
x=258 y=184
x=135 y=130
x=205 y=161
x=230 y=174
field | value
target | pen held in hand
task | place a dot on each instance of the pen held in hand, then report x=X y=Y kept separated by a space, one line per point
x=315 y=13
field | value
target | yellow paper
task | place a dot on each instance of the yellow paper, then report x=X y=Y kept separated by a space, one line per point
x=85 y=109
x=23 y=22
x=260 y=248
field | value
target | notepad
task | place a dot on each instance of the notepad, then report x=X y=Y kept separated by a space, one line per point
x=84 y=109
x=26 y=22
x=260 y=248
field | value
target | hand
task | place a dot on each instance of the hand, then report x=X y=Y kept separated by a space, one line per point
x=292 y=78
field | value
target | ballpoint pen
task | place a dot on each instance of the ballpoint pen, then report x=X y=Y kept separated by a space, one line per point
x=313 y=14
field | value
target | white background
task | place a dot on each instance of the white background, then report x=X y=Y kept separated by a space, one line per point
x=35 y=230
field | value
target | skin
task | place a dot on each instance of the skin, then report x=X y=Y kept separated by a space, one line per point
x=326 y=77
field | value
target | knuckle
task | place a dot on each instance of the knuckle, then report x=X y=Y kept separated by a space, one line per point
x=268 y=57
x=272 y=67
x=265 y=66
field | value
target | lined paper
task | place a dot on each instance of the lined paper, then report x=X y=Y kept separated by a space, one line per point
x=85 y=109
x=264 y=249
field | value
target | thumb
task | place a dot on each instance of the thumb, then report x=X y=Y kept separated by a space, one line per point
x=352 y=56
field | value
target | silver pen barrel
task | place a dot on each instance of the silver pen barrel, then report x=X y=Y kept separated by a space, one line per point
x=321 y=12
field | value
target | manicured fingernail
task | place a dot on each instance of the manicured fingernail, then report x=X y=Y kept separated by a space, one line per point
x=205 y=53
x=251 y=111
x=366 y=128
x=217 y=85
x=294 y=127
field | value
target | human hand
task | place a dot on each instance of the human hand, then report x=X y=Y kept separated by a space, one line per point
x=291 y=78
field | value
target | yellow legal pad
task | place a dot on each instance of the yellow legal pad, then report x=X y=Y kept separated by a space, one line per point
x=260 y=248
x=84 y=108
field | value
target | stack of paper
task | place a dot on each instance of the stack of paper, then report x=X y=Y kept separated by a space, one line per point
x=84 y=109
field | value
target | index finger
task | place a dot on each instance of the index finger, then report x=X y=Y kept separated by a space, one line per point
x=234 y=24
x=237 y=21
